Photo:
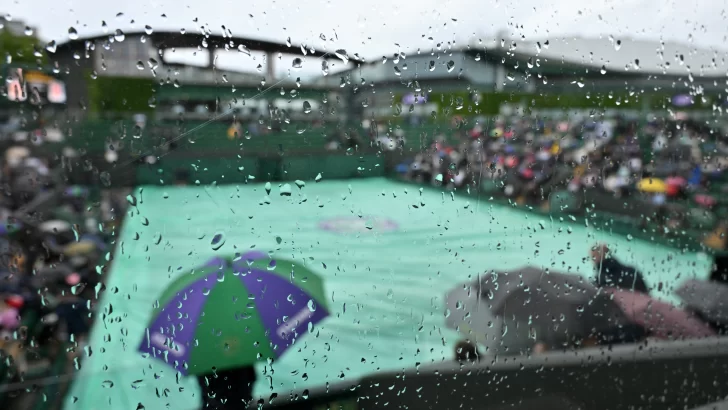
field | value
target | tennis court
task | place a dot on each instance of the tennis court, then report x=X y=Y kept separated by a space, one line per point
x=388 y=253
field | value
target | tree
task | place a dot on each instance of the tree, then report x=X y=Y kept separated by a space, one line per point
x=20 y=48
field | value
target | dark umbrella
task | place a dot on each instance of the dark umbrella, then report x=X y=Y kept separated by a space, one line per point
x=554 y=307
x=470 y=314
x=708 y=298
x=660 y=319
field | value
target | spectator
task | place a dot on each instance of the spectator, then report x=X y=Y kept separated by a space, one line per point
x=613 y=273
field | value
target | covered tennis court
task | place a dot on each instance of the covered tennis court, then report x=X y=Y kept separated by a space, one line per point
x=387 y=251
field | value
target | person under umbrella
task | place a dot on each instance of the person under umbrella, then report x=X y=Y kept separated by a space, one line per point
x=612 y=273
x=662 y=320
x=557 y=309
x=708 y=300
x=218 y=321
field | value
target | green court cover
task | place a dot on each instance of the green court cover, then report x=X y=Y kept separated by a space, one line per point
x=387 y=252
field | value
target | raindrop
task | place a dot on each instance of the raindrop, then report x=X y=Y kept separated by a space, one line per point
x=28 y=31
x=324 y=67
x=148 y=29
x=300 y=184
x=72 y=33
x=477 y=57
x=318 y=177
x=306 y=107
x=285 y=190
x=105 y=178
x=288 y=42
x=603 y=70
x=119 y=35
x=267 y=188
x=432 y=65
x=107 y=384
x=131 y=199
x=450 y=66
x=297 y=63
x=342 y=55
x=218 y=240
x=51 y=47
x=397 y=71
x=104 y=26
x=139 y=65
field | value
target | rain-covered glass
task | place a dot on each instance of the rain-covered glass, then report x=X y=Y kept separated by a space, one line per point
x=335 y=205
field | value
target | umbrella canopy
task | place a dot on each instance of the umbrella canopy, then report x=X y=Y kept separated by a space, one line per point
x=652 y=185
x=710 y=299
x=471 y=315
x=660 y=319
x=556 y=307
x=232 y=313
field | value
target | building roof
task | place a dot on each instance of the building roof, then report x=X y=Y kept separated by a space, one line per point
x=625 y=55
x=175 y=39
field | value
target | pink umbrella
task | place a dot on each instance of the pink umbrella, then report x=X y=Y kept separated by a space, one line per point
x=662 y=320
x=679 y=181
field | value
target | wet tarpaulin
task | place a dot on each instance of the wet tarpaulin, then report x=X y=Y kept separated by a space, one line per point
x=387 y=252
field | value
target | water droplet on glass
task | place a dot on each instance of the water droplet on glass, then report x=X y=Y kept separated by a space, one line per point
x=107 y=384
x=297 y=63
x=119 y=35
x=218 y=240
x=397 y=71
x=51 y=46
x=306 y=107
x=342 y=55
x=288 y=42
x=139 y=65
x=432 y=65
x=148 y=29
x=285 y=190
x=267 y=187
x=300 y=184
x=72 y=33
x=603 y=70
x=324 y=67
x=450 y=66
x=105 y=178
x=318 y=177
x=28 y=31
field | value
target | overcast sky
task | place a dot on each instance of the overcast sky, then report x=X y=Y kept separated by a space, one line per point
x=374 y=28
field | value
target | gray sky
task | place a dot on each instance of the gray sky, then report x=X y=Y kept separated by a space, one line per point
x=375 y=28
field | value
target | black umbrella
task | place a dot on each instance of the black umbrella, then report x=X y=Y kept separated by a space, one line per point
x=470 y=314
x=708 y=298
x=555 y=308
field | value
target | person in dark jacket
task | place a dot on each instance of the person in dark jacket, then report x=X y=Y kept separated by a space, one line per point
x=613 y=273
x=227 y=389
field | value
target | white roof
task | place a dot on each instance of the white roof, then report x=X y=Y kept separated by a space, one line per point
x=626 y=54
